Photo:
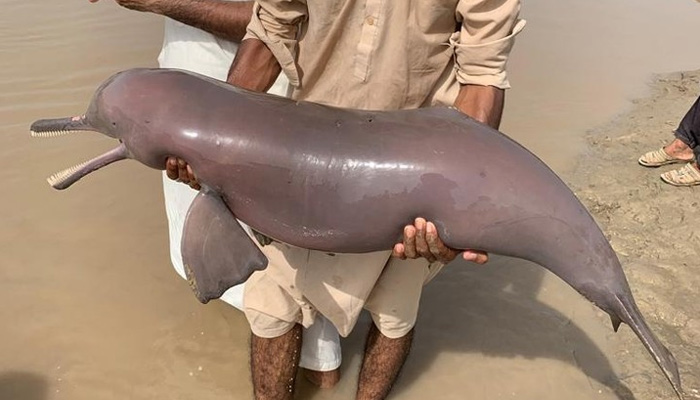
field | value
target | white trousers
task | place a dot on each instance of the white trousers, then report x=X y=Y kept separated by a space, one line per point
x=321 y=344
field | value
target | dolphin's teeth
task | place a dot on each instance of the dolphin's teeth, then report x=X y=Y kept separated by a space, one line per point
x=60 y=177
x=50 y=134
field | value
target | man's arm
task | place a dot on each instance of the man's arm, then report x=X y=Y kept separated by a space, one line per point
x=483 y=103
x=224 y=19
x=255 y=67
x=482 y=47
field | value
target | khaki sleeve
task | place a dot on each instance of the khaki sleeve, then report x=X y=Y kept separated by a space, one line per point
x=275 y=23
x=482 y=45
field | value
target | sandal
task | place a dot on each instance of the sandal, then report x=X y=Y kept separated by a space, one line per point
x=686 y=176
x=657 y=158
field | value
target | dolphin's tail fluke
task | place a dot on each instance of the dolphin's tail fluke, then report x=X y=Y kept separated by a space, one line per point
x=630 y=314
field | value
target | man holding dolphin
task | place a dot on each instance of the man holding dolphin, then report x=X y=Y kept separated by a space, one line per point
x=203 y=37
x=371 y=55
x=375 y=55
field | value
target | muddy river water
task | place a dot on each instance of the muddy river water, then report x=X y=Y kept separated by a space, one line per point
x=91 y=308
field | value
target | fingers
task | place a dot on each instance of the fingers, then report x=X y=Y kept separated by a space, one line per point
x=422 y=240
x=437 y=248
x=422 y=247
x=409 y=241
x=194 y=185
x=182 y=174
x=475 y=256
x=398 y=251
x=192 y=180
x=171 y=168
x=178 y=170
x=414 y=243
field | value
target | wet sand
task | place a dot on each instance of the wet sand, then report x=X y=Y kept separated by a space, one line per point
x=92 y=308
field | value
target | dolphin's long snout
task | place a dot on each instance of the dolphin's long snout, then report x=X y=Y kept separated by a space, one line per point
x=45 y=128
x=62 y=180
x=59 y=126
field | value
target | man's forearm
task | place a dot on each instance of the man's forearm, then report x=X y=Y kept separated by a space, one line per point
x=255 y=67
x=225 y=19
x=483 y=103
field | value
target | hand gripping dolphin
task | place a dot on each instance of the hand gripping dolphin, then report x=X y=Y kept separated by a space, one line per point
x=313 y=176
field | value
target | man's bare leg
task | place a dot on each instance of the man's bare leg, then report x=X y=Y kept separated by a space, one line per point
x=322 y=379
x=274 y=364
x=382 y=363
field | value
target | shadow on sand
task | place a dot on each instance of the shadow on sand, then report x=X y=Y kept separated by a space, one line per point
x=498 y=314
x=23 y=386
x=494 y=311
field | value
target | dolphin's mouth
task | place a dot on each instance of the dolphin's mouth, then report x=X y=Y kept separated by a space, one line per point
x=48 y=128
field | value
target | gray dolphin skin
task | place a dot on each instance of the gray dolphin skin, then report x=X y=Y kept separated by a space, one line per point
x=316 y=176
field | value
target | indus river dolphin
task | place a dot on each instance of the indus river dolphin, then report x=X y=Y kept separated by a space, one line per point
x=313 y=176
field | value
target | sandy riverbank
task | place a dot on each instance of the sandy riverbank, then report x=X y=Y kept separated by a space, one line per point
x=652 y=226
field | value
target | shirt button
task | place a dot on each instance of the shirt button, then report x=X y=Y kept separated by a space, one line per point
x=370 y=21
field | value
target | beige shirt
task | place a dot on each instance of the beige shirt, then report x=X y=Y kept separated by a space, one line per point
x=382 y=54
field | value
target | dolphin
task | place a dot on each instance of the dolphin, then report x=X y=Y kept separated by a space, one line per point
x=313 y=176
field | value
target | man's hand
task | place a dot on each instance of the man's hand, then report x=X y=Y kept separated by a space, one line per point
x=421 y=240
x=178 y=170
x=153 y=6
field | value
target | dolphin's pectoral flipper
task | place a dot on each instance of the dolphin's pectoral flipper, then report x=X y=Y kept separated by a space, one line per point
x=216 y=251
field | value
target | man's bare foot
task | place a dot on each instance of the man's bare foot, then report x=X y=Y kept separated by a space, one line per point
x=679 y=150
x=322 y=379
